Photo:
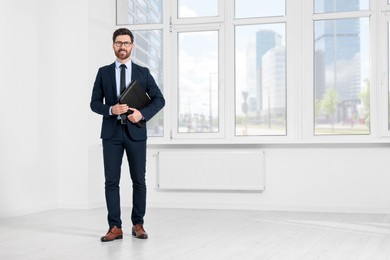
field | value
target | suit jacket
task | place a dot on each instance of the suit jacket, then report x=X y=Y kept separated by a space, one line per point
x=104 y=96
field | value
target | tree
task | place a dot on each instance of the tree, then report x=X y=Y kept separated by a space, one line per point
x=365 y=99
x=329 y=104
x=317 y=109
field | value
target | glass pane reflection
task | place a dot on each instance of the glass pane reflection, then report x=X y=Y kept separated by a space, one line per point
x=259 y=8
x=138 y=11
x=332 y=6
x=341 y=76
x=198 y=82
x=197 y=8
x=261 y=80
x=148 y=52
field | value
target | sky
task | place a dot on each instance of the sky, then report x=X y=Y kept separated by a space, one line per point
x=244 y=8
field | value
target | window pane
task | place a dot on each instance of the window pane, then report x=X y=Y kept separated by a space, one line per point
x=148 y=52
x=261 y=80
x=332 y=6
x=259 y=8
x=197 y=8
x=342 y=81
x=388 y=96
x=198 y=82
x=138 y=11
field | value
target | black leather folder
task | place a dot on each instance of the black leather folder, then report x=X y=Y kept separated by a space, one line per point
x=135 y=97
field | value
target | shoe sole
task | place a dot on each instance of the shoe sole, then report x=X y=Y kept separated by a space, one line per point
x=140 y=237
x=118 y=237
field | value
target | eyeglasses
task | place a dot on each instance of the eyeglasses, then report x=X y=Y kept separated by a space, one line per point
x=119 y=44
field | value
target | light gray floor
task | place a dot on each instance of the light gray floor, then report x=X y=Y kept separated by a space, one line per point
x=198 y=234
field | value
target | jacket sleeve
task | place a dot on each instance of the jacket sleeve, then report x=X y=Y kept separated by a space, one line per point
x=157 y=98
x=98 y=95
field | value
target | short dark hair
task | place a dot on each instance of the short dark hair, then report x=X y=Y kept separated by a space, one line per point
x=122 y=31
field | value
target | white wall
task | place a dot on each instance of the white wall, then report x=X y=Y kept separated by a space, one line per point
x=330 y=178
x=45 y=157
x=101 y=27
x=73 y=87
x=28 y=162
x=52 y=158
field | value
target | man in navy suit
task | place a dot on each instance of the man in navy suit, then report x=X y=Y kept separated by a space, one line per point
x=126 y=134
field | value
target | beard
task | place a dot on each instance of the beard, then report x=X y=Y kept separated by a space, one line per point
x=122 y=54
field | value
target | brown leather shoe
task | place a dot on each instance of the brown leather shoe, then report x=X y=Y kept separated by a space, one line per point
x=139 y=232
x=112 y=234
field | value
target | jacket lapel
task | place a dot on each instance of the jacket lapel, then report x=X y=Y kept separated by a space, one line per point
x=134 y=71
x=112 y=79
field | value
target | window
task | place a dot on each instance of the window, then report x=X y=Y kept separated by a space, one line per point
x=138 y=12
x=197 y=8
x=148 y=42
x=342 y=80
x=259 y=8
x=331 y=6
x=198 y=82
x=260 y=69
x=197 y=58
x=385 y=22
x=260 y=79
x=388 y=94
x=341 y=70
x=246 y=71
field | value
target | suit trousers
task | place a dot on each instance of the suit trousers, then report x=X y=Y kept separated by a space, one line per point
x=113 y=150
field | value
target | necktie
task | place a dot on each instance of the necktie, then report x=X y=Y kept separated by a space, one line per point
x=123 y=78
x=122 y=88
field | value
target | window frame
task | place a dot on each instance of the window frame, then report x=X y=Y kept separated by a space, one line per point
x=308 y=110
x=263 y=21
x=166 y=63
x=176 y=30
x=175 y=20
x=196 y=24
x=383 y=73
x=299 y=20
x=292 y=21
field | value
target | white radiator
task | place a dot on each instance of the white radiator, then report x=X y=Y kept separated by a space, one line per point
x=211 y=170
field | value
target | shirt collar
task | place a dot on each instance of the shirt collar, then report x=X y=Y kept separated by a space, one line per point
x=128 y=64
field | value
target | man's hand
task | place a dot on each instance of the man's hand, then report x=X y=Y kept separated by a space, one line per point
x=119 y=109
x=135 y=116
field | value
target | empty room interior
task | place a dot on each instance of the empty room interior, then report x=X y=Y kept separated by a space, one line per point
x=279 y=149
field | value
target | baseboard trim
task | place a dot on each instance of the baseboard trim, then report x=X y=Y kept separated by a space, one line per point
x=222 y=206
x=82 y=205
x=362 y=210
